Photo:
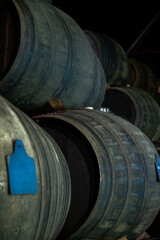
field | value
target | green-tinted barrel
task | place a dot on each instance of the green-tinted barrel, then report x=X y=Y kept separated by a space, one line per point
x=115 y=189
x=136 y=106
x=45 y=57
x=40 y=214
x=112 y=56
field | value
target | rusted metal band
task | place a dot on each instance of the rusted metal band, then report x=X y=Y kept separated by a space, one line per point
x=56 y=104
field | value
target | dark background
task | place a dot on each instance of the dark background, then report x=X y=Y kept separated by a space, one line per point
x=124 y=22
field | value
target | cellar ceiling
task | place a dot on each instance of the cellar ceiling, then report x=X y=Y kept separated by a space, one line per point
x=135 y=25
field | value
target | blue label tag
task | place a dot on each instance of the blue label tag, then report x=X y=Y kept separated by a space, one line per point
x=158 y=167
x=22 y=171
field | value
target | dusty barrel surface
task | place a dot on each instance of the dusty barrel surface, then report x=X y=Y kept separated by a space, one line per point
x=136 y=106
x=45 y=57
x=142 y=76
x=112 y=56
x=115 y=190
x=38 y=215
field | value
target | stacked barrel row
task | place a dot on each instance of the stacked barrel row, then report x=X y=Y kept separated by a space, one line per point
x=96 y=173
x=121 y=70
x=131 y=91
x=99 y=182
x=131 y=87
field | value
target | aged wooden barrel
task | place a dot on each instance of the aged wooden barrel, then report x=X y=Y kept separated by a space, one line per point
x=112 y=56
x=45 y=57
x=115 y=189
x=136 y=106
x=35 y=215
x=142 y=76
